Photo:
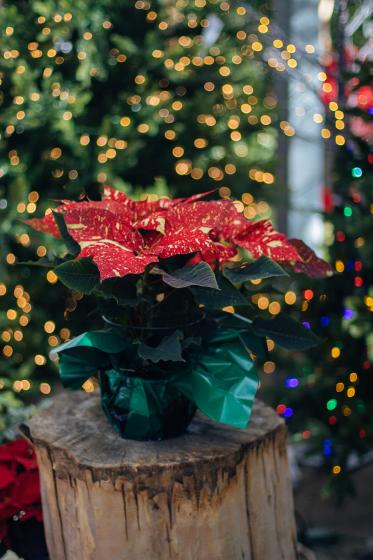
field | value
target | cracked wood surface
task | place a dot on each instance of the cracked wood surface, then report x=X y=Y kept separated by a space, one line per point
x=215 y=493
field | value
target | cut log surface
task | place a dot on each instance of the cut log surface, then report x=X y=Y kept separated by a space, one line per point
x=215 y=493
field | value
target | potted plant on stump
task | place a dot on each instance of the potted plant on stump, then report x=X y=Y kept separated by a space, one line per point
x=171 y=280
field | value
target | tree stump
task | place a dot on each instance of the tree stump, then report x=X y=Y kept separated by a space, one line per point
x=215 y=493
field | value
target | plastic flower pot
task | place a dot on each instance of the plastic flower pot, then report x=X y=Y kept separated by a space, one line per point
x=144 y=409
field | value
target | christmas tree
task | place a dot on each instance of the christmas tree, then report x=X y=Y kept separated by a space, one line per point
x=328 y=395
x=128 y=93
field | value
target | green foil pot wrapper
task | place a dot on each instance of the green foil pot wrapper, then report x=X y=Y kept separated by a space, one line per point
x=221 y=381
x=144 y=409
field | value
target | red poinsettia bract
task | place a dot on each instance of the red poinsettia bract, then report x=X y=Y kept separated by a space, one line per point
x=19 y=484
x=124 y=236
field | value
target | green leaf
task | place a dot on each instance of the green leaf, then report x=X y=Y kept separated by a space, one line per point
x=72 y=246
x=200 y=274
x=191 y=342
x=169 y=349
x=257 y=344
x=121 y=290
x=262 y=268
x=216 y=299
x=42 y=262
x=287 y=332
x=79 y=275
x=241 y=324
x=113 y=313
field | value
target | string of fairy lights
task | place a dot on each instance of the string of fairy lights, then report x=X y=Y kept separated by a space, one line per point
x=237 y=110
x=253 y=43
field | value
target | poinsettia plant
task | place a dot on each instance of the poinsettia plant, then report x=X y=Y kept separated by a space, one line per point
x=19 y=486
x=172 y=281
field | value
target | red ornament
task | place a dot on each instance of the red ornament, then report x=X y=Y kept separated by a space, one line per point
x=365 y=98
x=328 y=200
x=361 y=128
x=329 y=90
x=280 y=409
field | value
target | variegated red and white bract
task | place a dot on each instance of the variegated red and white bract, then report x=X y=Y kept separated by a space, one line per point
x=310 y=264
x=123 y=236
x=261 y=238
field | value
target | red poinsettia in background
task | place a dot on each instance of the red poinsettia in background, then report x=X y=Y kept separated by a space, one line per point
x=19 y=485
x=122 y=236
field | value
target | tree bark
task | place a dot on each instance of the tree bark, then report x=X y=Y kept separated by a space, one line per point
x=215 y=493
